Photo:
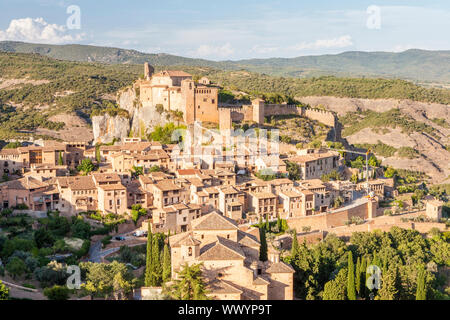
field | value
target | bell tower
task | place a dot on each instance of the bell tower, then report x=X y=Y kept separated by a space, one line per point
x=148 y=71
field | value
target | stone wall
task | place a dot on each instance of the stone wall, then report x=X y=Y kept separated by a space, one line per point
x=258 y=110
x=329 y=220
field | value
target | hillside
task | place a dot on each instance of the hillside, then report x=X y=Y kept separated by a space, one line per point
x=408 y=125
x=432 y=67
x=404 y=134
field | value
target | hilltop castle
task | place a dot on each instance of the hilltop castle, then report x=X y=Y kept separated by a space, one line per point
x=177 y=91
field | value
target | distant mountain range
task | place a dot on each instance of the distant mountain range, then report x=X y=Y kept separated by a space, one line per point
x=415 y=65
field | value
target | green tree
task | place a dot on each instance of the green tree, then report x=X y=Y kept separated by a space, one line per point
x=137 y=171
x=293 y=170
x=57 y=293
x=390 y=172
x=358 y=276
x=389 y=282
x=263 y=247
x=86 y=166
x=4 y=291
x=60 y=159
x=121 y=287
x=149 y=264
x=421 y=291
x=43 y=238
x=362 y=269
x=136 y=212
x=190 y=285
x=16 y=267
x=351 y=292
x=295 y=248
x=102 y=279
x=336 y=288
x=156 y=262
x=166 y=273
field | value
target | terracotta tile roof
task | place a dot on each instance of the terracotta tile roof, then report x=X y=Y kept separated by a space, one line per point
x=291 y=194
x=25 y=184
x=187 y=172
x=278 y=182
x=188 y=241
x=263 y=195
x=166 y=185
x=222 y=249
x=172 y=73
x=213 y=221
x=259 y=281
x=280 y=267
x=211 y=190
x=136 y=146
x=8 y=152
x=222 y=287
x=135 y=187
x=196 y=182
x=247 y=239
x=106 y=177
x=229 y=190
x=76 y=183
x=311 y=157
x=110 y=148
x=110 y=187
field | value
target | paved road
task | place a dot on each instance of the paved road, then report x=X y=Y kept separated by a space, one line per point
x=96 y=253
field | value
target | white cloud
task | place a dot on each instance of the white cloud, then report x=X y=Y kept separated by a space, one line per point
x=205 y=51
x=264 y=50
x=37 y=30
x=341 y=42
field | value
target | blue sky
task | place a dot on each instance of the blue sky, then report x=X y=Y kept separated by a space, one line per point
x=222 y=30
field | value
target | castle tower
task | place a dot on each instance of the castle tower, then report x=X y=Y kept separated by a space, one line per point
x=258 y=111
x=148 y=71
x=188 y=96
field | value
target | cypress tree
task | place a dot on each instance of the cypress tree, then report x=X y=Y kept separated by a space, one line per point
x=351 y=294
x=156 y=262
x=166 y=274
x=295 y=247
x=267 y=223
x=60 y=159
x=358 y=276
x=421 y=293
x=263 y=248
x=362 y=269
x=388 y=290
x=376 y=260
x=148 y=262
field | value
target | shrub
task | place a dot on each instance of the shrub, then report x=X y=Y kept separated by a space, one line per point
x=57 y=293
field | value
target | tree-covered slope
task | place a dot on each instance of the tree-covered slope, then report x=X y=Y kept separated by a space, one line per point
x=415 y=65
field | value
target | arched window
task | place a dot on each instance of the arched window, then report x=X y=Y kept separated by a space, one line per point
x=190 y=252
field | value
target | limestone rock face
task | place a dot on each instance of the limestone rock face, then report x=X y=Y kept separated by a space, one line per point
x=106 y=128
x=143 y=119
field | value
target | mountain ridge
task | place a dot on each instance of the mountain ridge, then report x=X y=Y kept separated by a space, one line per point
x=416 y=65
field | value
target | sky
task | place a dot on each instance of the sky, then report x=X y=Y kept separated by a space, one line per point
x=232 y=29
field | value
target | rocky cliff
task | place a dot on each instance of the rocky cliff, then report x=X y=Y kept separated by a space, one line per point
x=107 y=128
x=433 y=153
x=142 y=119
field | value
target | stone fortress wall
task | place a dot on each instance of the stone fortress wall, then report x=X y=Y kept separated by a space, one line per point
x=259 y=109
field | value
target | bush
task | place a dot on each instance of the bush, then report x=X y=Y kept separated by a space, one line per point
x=387 y=212
x=57 y=293
x=16 y=267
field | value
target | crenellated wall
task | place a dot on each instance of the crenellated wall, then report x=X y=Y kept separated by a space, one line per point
x=258 y=110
